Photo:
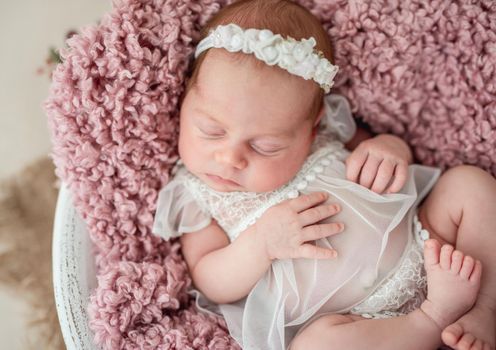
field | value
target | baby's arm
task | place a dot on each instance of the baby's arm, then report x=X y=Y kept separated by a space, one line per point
x=224 y=272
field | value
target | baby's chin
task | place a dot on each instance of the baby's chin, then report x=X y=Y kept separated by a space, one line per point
x=259 y=185
x=266 y=186
x=241 y=187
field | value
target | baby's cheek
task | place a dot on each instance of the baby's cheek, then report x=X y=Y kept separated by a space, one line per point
x=286 y=169
x=183 y=148
x=273 y=176
x=189 y=152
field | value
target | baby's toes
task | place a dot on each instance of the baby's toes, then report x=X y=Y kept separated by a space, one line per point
x=445 y=257
x=456 y=261
x=477 y=345
x=431 y=252
x=465 y=342
x=452 y=334
x=476 y=272
x=467 y=267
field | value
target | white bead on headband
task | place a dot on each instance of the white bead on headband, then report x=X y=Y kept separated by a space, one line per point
x=297 y=57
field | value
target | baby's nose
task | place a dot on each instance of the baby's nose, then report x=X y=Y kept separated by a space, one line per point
x=231 y=157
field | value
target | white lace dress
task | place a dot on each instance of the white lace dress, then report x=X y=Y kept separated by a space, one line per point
x=378 y=272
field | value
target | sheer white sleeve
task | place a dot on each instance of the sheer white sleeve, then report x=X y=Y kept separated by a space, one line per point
x=178 y=212
x=338 y=118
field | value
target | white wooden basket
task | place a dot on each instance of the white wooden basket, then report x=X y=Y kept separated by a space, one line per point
x=74 y=274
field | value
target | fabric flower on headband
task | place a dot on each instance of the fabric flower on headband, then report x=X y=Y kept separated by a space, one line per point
x=298 y=57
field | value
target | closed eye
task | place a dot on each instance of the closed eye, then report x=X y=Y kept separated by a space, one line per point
x=266 y=151
x=214 y=133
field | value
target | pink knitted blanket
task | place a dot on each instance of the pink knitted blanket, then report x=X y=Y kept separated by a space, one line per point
x=424 y=70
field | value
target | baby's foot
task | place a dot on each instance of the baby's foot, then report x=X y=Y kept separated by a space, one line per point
x=474 y=330
x=453 y=281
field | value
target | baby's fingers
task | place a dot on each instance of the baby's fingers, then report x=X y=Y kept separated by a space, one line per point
x=314 y=232
x=369 y=171
x=306 y=201
x=318 y=213
x=383 y=177
x=400 y=176
x=354 y=164
x=310 y=251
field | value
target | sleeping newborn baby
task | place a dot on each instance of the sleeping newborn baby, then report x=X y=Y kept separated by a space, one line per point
x=295 y=235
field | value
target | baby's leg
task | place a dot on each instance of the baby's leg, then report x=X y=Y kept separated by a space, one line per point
x=336 y=332
x=461 y=210
x=453 y=287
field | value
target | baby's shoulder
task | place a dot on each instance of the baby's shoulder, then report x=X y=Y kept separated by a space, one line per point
x=178 y=209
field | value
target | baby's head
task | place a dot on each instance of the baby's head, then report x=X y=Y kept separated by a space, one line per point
x=245 y=125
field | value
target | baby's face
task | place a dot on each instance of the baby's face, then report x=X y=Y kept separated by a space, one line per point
x=243 y=128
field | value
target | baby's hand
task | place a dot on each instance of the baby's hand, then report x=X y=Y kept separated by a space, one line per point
x=380 y=163
x=287 y=228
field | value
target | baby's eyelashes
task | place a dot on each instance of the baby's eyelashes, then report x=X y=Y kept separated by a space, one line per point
x=266 y=151
x=212 y=132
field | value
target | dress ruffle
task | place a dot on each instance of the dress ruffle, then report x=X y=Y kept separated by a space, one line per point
x=178 y=212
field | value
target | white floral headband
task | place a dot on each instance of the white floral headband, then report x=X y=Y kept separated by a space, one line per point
x=297 y=57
